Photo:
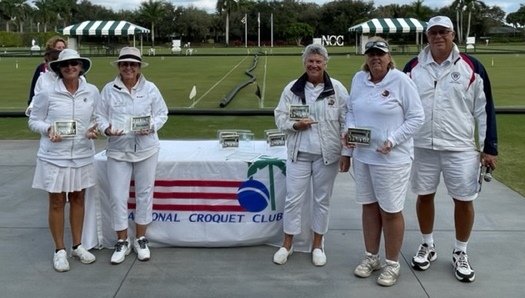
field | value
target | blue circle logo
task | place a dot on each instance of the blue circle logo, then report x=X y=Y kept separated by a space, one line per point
x=253 y=195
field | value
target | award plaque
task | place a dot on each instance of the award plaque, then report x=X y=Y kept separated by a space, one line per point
x=230 y=141
x=276 y=139
x=140 y=123
x=359 y=136
x=233 y=136
x=65 y=128
x=298 y=112
x=271 y=131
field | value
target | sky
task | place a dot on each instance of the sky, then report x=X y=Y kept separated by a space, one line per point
x=209 y=5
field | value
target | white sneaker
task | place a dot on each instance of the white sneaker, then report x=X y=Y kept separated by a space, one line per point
x=370 y=264
x=60 y=262
x=83 y=255
x=281 y=256
x=318 y=257
x=424 y=256
x=122 y=249
x=141 y=248
x=462 y=268
x=390 y=274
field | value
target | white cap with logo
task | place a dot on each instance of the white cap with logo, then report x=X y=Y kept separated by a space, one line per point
x=440 y=21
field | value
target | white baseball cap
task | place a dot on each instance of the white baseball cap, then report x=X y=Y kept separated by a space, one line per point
x=440 y=21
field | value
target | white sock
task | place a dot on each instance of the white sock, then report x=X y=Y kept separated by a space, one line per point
x=461 y=246
x=392 y=263
x=371 y=254
x=428 y=239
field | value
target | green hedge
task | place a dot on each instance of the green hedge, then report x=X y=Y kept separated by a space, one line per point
x=17 y=39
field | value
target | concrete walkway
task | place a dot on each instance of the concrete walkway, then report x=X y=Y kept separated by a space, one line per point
x=495 y=252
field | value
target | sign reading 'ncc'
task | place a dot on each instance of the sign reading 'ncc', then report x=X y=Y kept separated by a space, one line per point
x=333 y=40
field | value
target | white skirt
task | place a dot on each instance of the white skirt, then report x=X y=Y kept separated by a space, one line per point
x=55 y=179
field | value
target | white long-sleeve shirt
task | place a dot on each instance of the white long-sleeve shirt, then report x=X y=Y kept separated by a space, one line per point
x=118 y=105
x=391 y=109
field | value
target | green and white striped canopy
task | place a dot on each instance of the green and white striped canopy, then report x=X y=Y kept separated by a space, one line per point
x=98 y=28
x=387 y=25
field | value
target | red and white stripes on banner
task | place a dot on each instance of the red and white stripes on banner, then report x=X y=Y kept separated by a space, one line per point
x=193 y=196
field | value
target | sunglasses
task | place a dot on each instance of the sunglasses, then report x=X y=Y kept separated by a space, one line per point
x=377 y=53
x=69 y=62
x=376 y=44
x=441 y=32
x=130 y=64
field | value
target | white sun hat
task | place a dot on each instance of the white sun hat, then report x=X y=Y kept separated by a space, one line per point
x=69 y=54
x=130 y=54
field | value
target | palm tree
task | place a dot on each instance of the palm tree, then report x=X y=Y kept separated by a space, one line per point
x=45 y=12
x=25 y=13
x=227 y=6
x=10 y=11
x=66 y=10
x=462 y=6
x=152 y=12
x=473 y=5
x=459 y=6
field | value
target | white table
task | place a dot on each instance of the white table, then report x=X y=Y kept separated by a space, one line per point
x=203 y=198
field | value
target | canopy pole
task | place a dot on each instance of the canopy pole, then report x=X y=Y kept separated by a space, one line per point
x=356 y=42
x=140 y=41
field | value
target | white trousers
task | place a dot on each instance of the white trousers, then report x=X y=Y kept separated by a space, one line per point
x=308 y=178
x=119 y=175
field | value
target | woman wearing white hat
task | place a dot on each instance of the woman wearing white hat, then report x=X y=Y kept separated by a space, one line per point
x=130 y=113
x=63 y=114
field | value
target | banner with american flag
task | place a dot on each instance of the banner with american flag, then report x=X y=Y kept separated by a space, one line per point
x=202 y=199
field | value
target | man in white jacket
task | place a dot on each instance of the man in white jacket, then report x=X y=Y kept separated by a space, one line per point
x=457 y=100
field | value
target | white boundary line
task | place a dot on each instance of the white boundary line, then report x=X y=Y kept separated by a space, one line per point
x=261 y=104
x=218 y=82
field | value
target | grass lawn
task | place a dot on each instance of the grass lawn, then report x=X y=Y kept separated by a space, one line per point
x=215 y=76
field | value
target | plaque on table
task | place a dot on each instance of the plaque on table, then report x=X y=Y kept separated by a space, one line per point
x=139 y=123
x=298 y=112
x=66 y=128
x=230 y=141
x=271 y=131
x=360 y=136
x=231 y=135
x=276 y=139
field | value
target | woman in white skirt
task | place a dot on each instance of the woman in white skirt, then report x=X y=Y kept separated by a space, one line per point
x=130 y=113
x=63 y=114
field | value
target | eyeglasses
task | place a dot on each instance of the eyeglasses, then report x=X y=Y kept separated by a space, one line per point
x=376 y=44
x=441 y=32
x=378 y=53
x=67 y=63
x=130 y=64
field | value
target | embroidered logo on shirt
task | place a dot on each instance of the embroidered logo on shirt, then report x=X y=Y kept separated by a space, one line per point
x=455 y=75
x=331 y=102
x=385 y=93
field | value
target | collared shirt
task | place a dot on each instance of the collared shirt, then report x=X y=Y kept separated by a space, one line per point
x=310 y=138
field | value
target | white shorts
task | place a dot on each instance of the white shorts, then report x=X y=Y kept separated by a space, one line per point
x=460 y=172
x=385 y=184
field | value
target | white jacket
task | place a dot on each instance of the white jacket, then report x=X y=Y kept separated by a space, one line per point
x=57 y=104
x=117 y=102
x=332 y=103
x=391 y=109
x=457 y=104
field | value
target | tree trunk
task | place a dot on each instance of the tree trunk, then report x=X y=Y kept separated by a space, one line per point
x=458 y=26
x=468 y=23
x=227 y=28
x=152 y=35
